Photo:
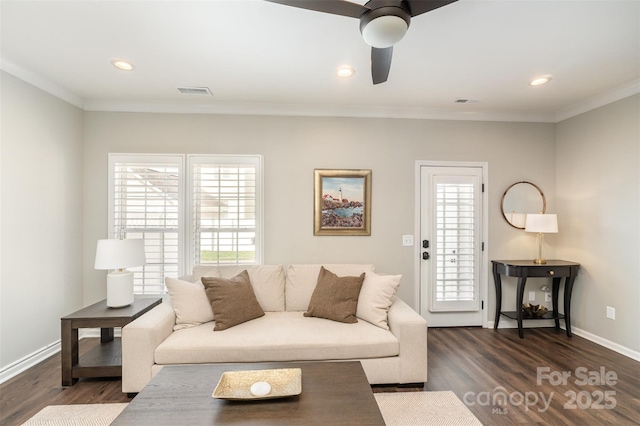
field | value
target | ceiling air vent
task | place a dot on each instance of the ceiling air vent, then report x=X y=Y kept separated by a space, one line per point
x=466 y=101
x=195 y=91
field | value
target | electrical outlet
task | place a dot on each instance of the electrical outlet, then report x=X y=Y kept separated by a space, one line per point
x=547 y=297
x=611 y=312
x=407 y=240
x=532 y=296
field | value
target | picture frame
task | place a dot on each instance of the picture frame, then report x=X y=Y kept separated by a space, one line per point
x=342 y=202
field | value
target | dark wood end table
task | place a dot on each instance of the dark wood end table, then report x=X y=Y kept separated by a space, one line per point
x=333 y=393
x=104 y=360
x=523 y=269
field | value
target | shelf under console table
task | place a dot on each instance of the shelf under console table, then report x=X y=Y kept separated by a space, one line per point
x=523 y=269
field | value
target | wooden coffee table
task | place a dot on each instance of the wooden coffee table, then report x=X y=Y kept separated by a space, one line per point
x=332 y=393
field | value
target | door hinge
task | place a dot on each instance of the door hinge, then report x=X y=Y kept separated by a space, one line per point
x=482 y=246
x=483 y=187
x=482 y=305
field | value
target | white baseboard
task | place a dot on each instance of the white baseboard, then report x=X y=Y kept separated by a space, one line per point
x=42 y=354
x=623 y=350
x=29 y=361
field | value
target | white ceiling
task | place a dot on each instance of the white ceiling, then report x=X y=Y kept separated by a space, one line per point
x=264 y=58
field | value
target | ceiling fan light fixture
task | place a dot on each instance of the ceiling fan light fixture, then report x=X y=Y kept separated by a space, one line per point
x=345 y=71
x=384 y=31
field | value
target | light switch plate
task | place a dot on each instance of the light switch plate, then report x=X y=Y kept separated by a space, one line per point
x=547 y=297
x=532 y=296
x=407 y=240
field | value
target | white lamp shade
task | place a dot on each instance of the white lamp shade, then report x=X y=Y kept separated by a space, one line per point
x=120 y=254
x=384 y=31
x=542 y=223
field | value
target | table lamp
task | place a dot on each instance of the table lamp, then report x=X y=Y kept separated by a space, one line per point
x=541 y=224
x=118 y=255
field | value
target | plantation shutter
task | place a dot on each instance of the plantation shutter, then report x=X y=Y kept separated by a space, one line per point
x=456 y=231
x=146 y=202
x=225 y=214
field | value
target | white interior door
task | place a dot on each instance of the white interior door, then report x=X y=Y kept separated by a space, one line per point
x=451 y=281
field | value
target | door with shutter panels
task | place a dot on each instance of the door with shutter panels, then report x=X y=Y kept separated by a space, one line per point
x=451 y=285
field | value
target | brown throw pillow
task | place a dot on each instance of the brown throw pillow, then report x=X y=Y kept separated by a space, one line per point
x=335 y=298
x=232 y=300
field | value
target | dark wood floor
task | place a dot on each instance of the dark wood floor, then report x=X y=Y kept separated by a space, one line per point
x=478 y=365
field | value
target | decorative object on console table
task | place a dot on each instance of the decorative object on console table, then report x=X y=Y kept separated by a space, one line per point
x=523 y=269
x=118 y=255
x=541 y=224
x=342 y=202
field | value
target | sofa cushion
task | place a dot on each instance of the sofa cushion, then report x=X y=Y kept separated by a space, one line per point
x=189 y=302
x=232 y=300
x=302 y=280
x=268 y=281
x=376 y=297
x=277 y=336
x=335 y=298
x=200 y=271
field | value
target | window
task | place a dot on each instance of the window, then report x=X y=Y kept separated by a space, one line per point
x=220 y=222
x=224 y=202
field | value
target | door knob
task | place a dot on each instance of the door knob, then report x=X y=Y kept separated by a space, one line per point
x=425 y=255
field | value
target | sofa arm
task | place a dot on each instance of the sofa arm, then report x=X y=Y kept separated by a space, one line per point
x=140 y=338
x=411 y=331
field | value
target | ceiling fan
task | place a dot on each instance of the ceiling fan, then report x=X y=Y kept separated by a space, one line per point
x=383 y=23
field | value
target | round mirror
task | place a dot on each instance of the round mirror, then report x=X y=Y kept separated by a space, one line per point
x=520 y=199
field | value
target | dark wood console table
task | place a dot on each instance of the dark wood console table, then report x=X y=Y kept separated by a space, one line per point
x=523 y=269
x=105 y=360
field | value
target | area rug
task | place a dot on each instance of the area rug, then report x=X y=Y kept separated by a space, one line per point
x=397 y=408
x=424 y=408
x=76 y=415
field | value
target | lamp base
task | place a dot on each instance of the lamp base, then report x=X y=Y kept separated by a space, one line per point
x=119 y=289
x=539 y=261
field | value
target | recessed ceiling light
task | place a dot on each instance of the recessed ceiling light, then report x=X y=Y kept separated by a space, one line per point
x=122 y=65
x=345 y=71
x=540 y=80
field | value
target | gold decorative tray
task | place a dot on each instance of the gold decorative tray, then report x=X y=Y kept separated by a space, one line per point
x=236 y=385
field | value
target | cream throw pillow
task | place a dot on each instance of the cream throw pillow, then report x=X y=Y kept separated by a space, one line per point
x=376 y=297
x=189 y=302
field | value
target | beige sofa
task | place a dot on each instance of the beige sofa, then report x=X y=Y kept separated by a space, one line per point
x=394 y=356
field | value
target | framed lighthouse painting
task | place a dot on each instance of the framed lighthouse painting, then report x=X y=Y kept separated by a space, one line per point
x=342 y=202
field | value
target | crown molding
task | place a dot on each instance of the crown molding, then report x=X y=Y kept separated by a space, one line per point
x=41 y=82
x=621 y=92
x=306 y=110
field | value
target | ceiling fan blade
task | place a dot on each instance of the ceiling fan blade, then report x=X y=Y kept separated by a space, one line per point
x=335 y=7
x=380 y=64
x=417 y=7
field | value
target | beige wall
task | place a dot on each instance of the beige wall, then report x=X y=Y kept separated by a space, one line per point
x=293 y=146
x=41 y=217
x=598 y=197
x=53 y=164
